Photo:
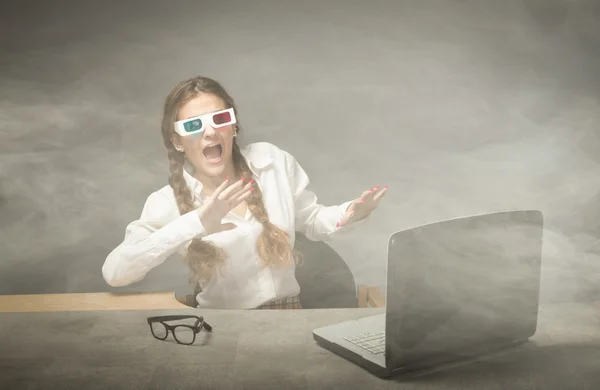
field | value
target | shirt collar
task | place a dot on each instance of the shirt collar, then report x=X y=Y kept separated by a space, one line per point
x=257 y=163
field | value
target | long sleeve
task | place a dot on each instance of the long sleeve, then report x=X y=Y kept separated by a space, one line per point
x=316 y=221
x=149 y=241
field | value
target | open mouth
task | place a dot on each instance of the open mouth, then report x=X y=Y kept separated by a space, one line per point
x=213 y=153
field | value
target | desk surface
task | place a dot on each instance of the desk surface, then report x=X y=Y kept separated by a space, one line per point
x=268 y=350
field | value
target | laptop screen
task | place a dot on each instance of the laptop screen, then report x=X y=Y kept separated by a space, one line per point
x=458 y=287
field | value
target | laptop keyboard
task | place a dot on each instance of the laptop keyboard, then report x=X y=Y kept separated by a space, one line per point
x=372 y=342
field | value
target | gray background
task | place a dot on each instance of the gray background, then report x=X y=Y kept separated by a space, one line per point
x=461 y=107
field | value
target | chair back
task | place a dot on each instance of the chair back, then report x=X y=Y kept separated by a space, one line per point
x=325 y=279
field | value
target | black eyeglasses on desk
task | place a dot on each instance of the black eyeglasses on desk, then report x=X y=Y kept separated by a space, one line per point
x=183 y=334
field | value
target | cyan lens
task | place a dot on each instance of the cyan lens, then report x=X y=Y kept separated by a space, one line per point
x=193 y=125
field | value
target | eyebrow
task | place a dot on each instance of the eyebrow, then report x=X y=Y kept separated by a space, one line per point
x=211 y=112
x=194 y=116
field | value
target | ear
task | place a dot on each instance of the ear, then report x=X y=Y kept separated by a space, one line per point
x=175 y=140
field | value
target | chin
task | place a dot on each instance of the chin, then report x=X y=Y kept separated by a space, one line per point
x=212 y=169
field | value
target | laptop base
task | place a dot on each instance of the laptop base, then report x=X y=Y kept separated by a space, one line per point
x=417 y=370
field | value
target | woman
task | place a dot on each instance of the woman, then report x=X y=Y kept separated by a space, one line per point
x=230 y=212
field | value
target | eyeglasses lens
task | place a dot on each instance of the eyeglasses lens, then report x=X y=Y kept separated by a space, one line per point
x=184 y=335
x=158 y=330
x=192 y=126
x=222 y=118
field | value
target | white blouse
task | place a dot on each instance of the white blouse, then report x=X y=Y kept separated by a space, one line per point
x=161 y=232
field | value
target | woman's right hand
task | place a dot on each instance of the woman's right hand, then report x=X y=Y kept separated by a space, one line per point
x=225 y=198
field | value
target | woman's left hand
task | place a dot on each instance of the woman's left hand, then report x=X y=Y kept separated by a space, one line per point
x=362 y=207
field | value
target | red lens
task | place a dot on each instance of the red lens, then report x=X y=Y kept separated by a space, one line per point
x=222 y=118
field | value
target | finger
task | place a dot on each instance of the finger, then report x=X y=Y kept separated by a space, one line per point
x=243 y=197
x=221 y=188
x=372 y=192
x=365 y=194
x=380 y=195
x=231 y=189
x=233 y=196
x=368 y=194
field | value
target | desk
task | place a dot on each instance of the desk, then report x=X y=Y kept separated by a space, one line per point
x=268 y=350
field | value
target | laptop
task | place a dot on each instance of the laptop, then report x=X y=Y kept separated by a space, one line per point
x=457 y=290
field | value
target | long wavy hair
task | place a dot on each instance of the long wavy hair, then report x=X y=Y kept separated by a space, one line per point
x=203 y=258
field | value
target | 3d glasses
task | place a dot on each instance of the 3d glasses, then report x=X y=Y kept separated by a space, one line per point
x=198 y=124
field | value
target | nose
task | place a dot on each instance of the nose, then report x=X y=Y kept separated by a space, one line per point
x=209 y=131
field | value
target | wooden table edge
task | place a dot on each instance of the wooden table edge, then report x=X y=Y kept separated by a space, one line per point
x=89 y=302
